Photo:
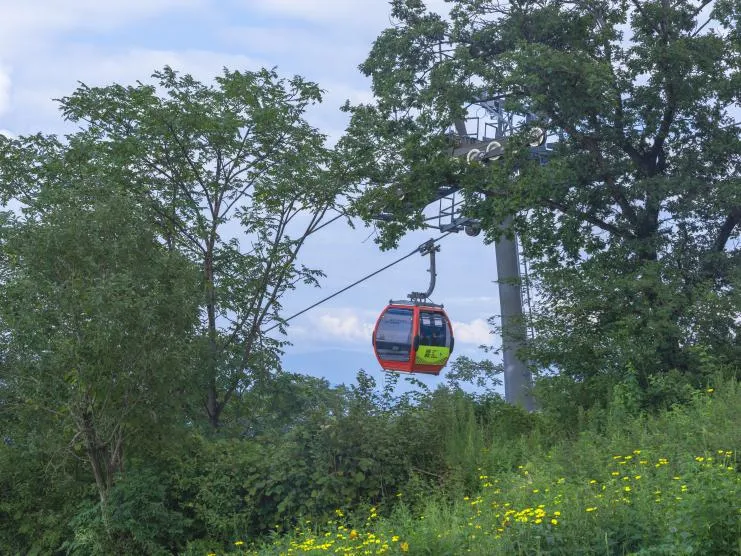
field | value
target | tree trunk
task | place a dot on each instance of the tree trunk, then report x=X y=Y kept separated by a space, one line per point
x=213 y=408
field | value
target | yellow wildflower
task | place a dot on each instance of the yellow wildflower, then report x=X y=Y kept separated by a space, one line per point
x=239 y=543
x=404 y=546
x=353 y=534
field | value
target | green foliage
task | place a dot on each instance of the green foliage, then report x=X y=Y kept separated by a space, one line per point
x=443 y=472
x=666 y=484
x=96 y=316
x=141 y=520
x=36 y=495
x=231 y=176
x=126 y=305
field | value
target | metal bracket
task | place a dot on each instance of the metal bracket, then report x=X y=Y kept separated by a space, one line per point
x=427 y=248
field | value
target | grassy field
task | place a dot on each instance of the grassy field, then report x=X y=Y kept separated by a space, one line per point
x=664 y=484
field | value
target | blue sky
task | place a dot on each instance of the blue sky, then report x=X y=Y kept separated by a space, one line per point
x=48 y=46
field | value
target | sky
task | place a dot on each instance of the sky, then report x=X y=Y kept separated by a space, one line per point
x=47 y=47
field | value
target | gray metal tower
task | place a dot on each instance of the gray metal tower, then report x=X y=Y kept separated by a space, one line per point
x=487 y=145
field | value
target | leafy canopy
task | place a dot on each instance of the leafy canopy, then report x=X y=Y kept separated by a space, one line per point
x=632 y=225
x=236 y=180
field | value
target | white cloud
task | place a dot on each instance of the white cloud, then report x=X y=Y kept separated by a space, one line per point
x=474 y=332
x=133 y=64
x=285 y=40
x=330 y=57
x=355 y=13
x=33 y=23
x=58 y=76
x=344 y=325
x=5 y=87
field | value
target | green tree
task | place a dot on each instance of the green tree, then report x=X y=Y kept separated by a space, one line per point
x=632 y=225
x=97 y=320
x=236 y=180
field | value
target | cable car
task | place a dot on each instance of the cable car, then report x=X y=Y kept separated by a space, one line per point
x=414 y=336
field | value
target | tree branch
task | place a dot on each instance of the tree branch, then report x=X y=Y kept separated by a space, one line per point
x=724 y=233
x=606 y=226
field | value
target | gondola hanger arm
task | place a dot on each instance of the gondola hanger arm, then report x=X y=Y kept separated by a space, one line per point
x=427 y=248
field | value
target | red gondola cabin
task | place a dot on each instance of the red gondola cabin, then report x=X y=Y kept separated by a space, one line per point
x=413 y=338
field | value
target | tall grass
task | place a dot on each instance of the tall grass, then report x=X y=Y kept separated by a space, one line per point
x=622 y=484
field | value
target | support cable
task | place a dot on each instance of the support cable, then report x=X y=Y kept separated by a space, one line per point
x=527 y=293
x=416 y=250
